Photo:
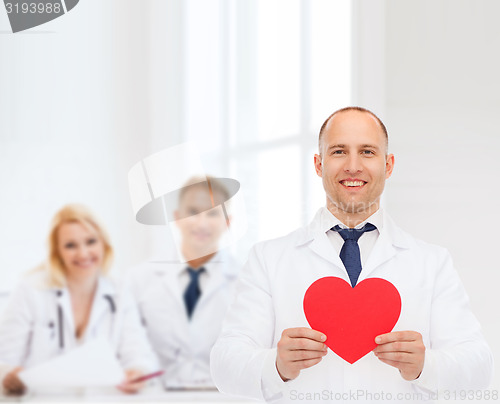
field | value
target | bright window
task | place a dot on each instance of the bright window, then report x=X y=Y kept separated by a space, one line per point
x=263 y=76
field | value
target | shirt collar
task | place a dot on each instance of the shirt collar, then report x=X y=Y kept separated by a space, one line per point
x=174 y=264
x=324 y=220
x=329 y=220
x=209 y=265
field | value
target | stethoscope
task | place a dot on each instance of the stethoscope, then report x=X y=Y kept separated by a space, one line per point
x=60 y=317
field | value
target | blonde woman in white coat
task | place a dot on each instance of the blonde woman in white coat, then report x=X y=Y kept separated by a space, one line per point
x=69 y=301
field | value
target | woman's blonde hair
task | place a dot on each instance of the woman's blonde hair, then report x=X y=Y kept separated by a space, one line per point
x=74 y=213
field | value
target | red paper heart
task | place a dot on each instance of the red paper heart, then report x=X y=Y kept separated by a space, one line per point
x=350 y=317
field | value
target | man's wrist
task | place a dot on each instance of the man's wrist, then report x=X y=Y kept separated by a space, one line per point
x=285 y=379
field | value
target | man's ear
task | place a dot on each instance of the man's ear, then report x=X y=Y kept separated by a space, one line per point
x=389 y=165
x=318 y=166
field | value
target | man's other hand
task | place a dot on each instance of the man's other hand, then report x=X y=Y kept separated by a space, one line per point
x=299 y=348
x=404 y=350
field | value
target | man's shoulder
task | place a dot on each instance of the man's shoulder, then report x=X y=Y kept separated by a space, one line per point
x=431 y=253
x=140 y=277
x=414 y=243
x=282 y=243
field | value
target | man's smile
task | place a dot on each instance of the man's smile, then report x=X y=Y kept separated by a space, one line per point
x=353 y=183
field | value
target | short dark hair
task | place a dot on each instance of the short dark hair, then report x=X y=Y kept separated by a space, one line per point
x=359 y=109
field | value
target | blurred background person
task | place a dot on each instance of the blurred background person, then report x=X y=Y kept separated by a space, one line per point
x=183 y=302
x=68 y=301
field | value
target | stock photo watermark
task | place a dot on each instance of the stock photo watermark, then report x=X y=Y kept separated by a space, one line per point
x=26 y=14
x=365 y=395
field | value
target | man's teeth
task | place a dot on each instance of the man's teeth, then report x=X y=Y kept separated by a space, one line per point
x=353 y=183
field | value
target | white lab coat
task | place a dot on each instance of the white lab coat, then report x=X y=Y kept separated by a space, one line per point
x=182 y=345
x=32 y=332
x=270 y=299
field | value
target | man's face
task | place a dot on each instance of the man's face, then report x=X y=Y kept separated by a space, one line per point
x=201 y=220
x=353 y=163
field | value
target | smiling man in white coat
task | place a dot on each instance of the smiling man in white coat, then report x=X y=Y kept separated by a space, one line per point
x=267 y=349
x=183 y=303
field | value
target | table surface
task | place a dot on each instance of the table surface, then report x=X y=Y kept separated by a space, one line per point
x=115 y=396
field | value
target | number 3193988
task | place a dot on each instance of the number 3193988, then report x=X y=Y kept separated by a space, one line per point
x=33 y=8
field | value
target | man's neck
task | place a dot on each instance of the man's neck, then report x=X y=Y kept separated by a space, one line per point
x=198 y=262
x=352 y=219
x=193 y=257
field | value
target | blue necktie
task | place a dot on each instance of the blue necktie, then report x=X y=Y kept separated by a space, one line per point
x=349 y=254
x=193 y=292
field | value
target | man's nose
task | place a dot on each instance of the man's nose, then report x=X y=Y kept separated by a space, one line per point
x=202 y=219
x=353 y=163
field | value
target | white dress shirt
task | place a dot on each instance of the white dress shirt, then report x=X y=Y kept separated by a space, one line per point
x=367 y=239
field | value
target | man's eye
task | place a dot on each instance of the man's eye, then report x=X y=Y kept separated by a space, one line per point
x=369 y=152
x=338 y=152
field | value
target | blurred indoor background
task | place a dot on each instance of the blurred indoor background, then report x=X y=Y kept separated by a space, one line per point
x=86 y=96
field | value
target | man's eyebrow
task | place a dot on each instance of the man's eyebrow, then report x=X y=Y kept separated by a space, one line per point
x=343 y=146
x=336 y=146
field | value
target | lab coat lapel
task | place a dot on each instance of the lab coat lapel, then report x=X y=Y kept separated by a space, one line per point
x=220 y=271
x=167 y=268
x=171 y=283
x=216 y=280
x=323 y=247
x=383 y=251
x=315 y=235
x=390 y=242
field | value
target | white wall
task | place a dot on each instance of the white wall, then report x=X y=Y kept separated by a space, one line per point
x=441 y=104
x=73 y=119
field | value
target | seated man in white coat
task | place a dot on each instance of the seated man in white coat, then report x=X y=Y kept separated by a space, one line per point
x=268 y=351
x=183 y=303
